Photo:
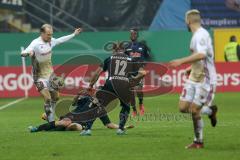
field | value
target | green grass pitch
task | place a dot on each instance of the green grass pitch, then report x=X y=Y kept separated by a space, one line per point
x=162 y=137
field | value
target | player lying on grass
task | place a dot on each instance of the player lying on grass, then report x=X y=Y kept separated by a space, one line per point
x=120 y=81
x=69 y=122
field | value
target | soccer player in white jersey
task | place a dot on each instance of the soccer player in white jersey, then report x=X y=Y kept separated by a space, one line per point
x=198 y=91
x=40 y=51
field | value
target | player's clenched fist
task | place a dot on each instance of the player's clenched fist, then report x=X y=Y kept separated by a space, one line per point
x=77 y=31
x=25 y=54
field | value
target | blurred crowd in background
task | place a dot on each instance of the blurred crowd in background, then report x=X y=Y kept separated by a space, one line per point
x=114 y=15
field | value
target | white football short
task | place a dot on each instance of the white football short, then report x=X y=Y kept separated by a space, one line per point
x=199 y=93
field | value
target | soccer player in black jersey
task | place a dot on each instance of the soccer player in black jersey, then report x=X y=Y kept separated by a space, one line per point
x=120 y=80
x=139 y=52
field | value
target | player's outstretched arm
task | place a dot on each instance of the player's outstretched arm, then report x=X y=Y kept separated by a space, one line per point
x=29 y=51
x=95 y=77
x=141 y=73
x=134 y=80
x=68 y=37
x=187 y=60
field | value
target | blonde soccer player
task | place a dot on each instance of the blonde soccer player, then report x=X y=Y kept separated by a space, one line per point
x=198 y=92
x=40 y=52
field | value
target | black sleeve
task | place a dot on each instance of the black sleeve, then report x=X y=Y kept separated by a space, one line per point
x=238 y=52
x=127 y=52
x=128 y=49
x=147 y=50
x=105 y=64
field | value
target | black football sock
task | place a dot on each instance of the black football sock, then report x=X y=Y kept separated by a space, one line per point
x=123 y=116
x=140 y=97
x=123 y=119
x=140 y=100
x=89 y=125
x=134 y=108
x=46 y=126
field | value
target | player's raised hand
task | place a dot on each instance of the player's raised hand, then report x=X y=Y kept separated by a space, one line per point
x=175 y=63
x=77 y=31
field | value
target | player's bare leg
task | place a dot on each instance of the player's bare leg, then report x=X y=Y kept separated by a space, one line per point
x=187 y=107
x=54 y=98
x=115 y=126
x=197 y=126
x=74 y=127
x=213 y=116
x=211 y=111
x=47 y=106
x=184 y=106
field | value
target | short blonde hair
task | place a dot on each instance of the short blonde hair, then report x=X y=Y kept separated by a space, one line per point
x=193 y=16
x=44 y=26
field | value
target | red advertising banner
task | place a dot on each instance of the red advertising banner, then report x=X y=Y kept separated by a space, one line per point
x=12 y=79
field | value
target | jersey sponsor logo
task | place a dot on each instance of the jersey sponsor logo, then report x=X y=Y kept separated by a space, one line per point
x=46 y=53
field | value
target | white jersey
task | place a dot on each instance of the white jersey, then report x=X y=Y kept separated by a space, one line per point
x=41 y=61
x=203 y=70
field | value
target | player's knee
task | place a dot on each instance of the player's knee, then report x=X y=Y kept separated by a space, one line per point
x=183 y=110
x=125 y=108
x=55 y=96
x=195 y=110
x=39 y=85
x=140 y=94
x=55 y=99
x=183 y=107
x=47 y=101
x=196 y=115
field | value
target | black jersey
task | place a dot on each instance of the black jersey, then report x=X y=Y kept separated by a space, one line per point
x=87 y=108
x=138 y=51
x=119 y=67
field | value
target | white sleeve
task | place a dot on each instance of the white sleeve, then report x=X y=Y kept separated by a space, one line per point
x=29 y=49
x=60 y=40
x=201 y=44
